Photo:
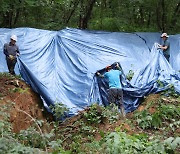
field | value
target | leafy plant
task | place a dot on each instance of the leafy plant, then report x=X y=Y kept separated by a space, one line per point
x=76 y=144
x=172 y=143
x=160 y=83
x=169 y=112
x=94 y=115
x=130 y=75
x=98 y=114
x=88 y=130
x=31 y=137
x=120 y=142
x=5 y=125
x=9 y=141
x=7 y=75
x=11 y=145
x=163 y=113
x=171 y=91
x=18 y=89
x=59 y=110
x=174 y=125
x=111 y=113
x=144 y=119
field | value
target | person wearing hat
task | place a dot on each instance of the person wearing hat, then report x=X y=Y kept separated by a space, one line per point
x=115 y=93
x=11 y=51
x=165 y=46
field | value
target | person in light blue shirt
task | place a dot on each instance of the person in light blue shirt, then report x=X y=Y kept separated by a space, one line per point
x=113 y=77
x=115 y=92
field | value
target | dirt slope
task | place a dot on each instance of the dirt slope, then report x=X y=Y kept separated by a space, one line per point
x=21 y=102
x=25 y=106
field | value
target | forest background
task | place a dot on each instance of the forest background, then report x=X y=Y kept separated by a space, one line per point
x=108 y=15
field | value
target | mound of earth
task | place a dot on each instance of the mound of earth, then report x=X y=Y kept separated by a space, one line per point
x=25 y=106
x=129 y=124
x=21 y=102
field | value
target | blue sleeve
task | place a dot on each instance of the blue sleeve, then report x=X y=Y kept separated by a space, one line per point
x=5 y=50
x=17 y=50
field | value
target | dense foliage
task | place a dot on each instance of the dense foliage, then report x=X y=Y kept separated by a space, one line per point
x=116 y=15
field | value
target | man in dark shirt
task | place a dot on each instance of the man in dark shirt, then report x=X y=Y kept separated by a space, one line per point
x=11 y=51
x=165 y=46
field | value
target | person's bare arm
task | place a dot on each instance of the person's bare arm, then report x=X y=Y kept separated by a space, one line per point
x=118 y=67
x=163 y=48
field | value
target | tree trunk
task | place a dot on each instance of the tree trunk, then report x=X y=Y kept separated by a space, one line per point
x=83 y=19
x=158 y=11
x=141 y=15
x=16 y=16
x=10 y=19
x=7 y=20
x=134 y=17
x=76 y=2
x=175 y=16
x=149 y=19
x=163 y=16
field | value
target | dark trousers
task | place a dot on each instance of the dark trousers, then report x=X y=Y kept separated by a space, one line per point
x=167 y=57
x=11 y=64
x=115 y=95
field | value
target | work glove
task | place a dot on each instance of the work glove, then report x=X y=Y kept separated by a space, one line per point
x=97 y=73
x=11 y=57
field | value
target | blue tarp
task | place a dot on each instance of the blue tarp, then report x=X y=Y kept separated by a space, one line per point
x=61 y=65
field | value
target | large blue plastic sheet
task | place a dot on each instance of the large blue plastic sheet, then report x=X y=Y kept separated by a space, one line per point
x=61 y=65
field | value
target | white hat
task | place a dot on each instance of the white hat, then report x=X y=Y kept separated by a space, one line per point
x=164 y=35
x=14 y=37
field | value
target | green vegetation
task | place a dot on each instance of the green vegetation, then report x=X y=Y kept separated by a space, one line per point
x=170 y=91
x=130 y=75
x=59 y=110
x=160 y=84
x=18 y=89
x=116 y=15
x=9 y=142
x=94 y=115
x=9 y=76
x=79 y=135
x=164 y=115
x=98 y=114
x=120 y=142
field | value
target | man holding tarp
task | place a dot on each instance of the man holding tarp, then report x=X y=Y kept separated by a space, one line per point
x=115 y=93
x=165 y=46
x=11 y=51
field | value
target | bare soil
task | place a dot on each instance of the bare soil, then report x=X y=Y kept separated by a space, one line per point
x=23 y=104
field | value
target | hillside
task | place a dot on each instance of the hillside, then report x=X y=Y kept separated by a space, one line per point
x=25 y=126
x=21 y=102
